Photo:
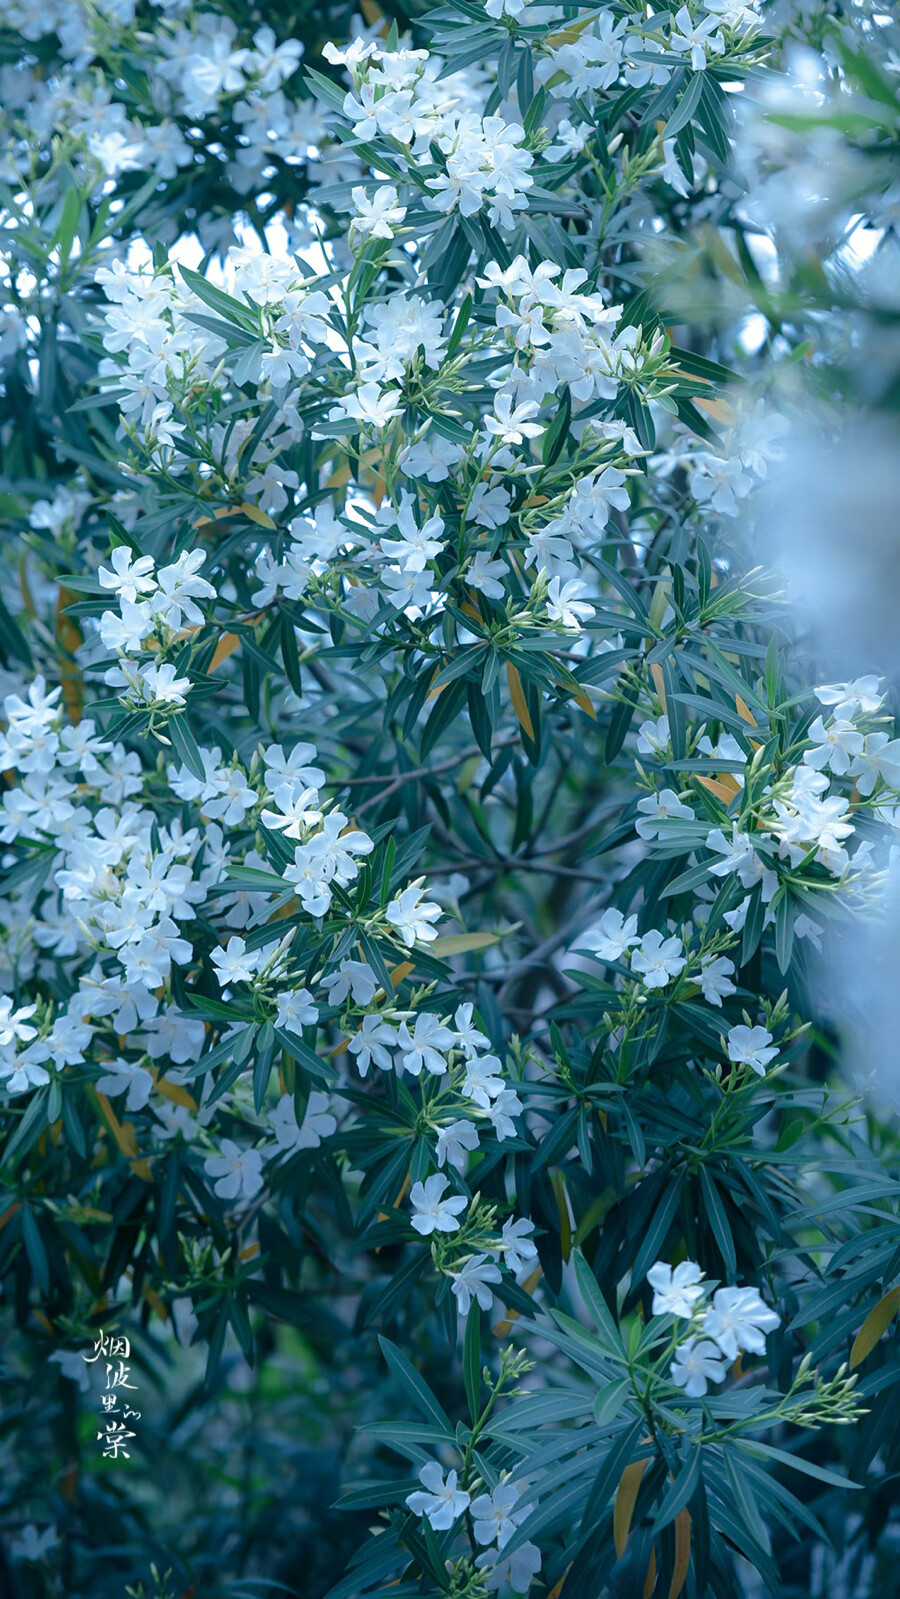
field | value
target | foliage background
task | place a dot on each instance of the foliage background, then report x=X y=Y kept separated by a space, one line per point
x=238 y=1467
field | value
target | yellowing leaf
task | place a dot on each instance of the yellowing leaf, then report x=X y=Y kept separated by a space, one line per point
x=584 y=700
x=157 y=1305
x=876 y=1323
x=228 y=643
x=383 y=1215
x=217 y=515
x=650 y=1579
x=462 y=943
x=558 y=1183
x=401 y=971
x=254 y=514
x=517 y=695
x=24 y=589
x=719 y=409
x=123 y=1133
x=289 y=908
x=467 y=774
x=659 y=683
x=339 y=477
x=68 y=637
x=626 y=1498
x=682 y=1553
x=744 y=711
x=658 y=603
x=175 y=1093
x=568 y=35
x=724 y=787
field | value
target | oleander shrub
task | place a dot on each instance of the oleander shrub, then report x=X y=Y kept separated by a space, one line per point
x=424 y=813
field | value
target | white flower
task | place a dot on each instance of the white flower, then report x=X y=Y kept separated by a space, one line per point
x=495 y=1517
x=372 y=1045
x=369 y=406
x=612 y=936
x=411 y=918
x=671 y=172
x=127 y=1075
x=72 y=1365
x=852 y=699
x=15 y=1024
x=296 y=1009
x=739 y=1319
x=454 y=1142
x=695 y=1365
x=127 y=574
x=501 y=1111
x=443 y=1503
x=426 y=1046
x=32 y=1545
x=26 y=1070
x=271 y=62
x=377 y=215
x=836 y=746
x=509 y=1574
x=355 y=978
x=750 y=1046
x=433 y=1213
x=699 y=38
x=715 y=979
x=658 y=959
x=516 y=1243
x=159 y=685
x=235 y=963
x=482 y=1082
x=468 y=1037
x=512 y=424
x=738 y=855
x=126 y=629
x=293 y=769
x=238 y=1171
x=880 y=758
x=564 y=606
x=416 y=545
x=487 y=575
x=653 y=737
x=657 y=809
x=719 y=483
x=179 y=586
x=473 y=1281
x=676 y=1289
x=318 y=1122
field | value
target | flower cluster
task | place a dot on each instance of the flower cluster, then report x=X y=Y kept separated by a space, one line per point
x=718 y=1328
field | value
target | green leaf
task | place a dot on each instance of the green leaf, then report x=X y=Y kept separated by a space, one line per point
x=682 y=1490
x=596 y=1306
x=718 y=1220
x=415 y=1387
x=555 y=436
x=185 y=745
x=472 y=1361
x=685 y=108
